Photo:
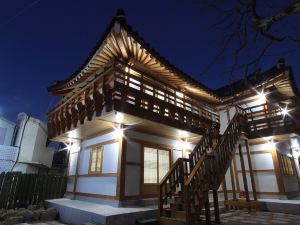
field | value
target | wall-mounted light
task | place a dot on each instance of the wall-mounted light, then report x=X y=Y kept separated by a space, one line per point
x=262 y=97
x=119 y=117
x=285 y=111
x=289 y=155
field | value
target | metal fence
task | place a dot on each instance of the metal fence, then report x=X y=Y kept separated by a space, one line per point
x=21 y=190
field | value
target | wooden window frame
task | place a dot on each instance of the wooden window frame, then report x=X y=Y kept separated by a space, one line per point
x=157 y=155
x=99 y=149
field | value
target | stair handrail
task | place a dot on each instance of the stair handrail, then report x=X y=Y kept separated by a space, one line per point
x=204 y=144
x=173 y=179
x=208 y=167
x=179 y=171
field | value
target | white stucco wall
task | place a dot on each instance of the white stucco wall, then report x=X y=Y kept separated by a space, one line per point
x=98 y=184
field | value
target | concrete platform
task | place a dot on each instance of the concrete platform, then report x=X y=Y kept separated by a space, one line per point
x=75 y=212
x=280 y=206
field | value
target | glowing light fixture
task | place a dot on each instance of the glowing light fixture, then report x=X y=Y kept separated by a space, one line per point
x=262 y=97
x=119 y=117
x=284 y=111
x=289 y=155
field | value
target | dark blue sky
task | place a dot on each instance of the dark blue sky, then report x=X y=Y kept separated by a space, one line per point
x=50 y=39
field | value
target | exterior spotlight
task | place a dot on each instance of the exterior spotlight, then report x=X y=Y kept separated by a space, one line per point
x=289 y=155
x=262 y=97
x=119 y=117
x=284 y=111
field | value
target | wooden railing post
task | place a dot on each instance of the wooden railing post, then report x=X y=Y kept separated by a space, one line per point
x=251 y=171
x=207 y=211
x=216 y=206
x=244 y=173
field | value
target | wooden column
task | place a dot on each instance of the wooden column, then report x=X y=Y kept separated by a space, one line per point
x=224 y=187
x=207 y=211
x=232 y=182
x=244 y=173
x=216 y=206
x=251 y=171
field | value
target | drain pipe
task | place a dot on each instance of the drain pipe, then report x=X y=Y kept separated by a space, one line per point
x=19 y=147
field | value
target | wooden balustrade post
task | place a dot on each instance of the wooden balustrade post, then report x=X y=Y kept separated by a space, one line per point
x=216 y=206
x=232 y=182
x=244 y=173
x=207 y=211
x=251 y=171
x=224 y=187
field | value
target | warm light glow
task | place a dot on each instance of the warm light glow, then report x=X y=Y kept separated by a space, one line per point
x=182 y=145
x=119 y=132
x=119 y=117
x=183 y=134
x=262 y=97
x=284 y=111
x=69 y=146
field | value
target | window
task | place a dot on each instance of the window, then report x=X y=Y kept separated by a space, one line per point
x=156 y=164
x=286 y=164
x=96 y=159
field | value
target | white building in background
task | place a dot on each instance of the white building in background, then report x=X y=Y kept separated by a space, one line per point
x=25 y=147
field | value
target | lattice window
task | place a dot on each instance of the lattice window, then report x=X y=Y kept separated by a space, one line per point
x=96 y=159
x=156 y=164
x=286 y=164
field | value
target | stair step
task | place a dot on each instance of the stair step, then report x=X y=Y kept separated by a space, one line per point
x=171 y=221
x=147 y=222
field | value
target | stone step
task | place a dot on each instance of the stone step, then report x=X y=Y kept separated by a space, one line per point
x=171 y=221
x=147 y=222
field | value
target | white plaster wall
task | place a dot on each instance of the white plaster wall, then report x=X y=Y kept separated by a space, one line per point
x=101 y=138
x=223 y=121
x=110 y=158
x=83 y=167
x=97 y=185
x=73 y=163
x=259 y=161
x=264 y=182
x=70 y=184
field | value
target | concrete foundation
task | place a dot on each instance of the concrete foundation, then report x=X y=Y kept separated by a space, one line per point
x=75 y=212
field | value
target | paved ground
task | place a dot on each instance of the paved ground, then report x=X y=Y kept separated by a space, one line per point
x=44 y=223
x=258 y=218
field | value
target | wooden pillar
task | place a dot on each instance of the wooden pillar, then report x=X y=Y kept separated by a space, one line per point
x=216 y=206
x=251 y=171
x=224 y=187
x=207 y=211
x=244 y=173
x=232 y=182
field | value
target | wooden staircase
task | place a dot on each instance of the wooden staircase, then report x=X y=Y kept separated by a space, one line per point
x=185 y=188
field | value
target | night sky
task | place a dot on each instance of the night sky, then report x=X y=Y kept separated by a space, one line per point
x=47 y=40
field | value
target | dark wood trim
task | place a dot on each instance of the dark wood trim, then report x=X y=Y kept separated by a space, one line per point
x=258 y=171
x=256 y=152
x=95 y=175
x=102 y=143
x=122 y=172
x=278 y=173
x=133 y=163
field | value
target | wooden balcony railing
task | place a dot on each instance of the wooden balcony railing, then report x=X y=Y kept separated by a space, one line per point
x=140 y=95
x=267 y=119
x=126 y=90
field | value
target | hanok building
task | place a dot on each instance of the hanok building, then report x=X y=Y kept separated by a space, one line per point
x=140 y=129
